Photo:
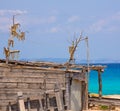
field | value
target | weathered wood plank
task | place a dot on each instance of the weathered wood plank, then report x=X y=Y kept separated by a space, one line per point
x=32 y=74
x=105 y=101
x=59 y=99
x=48 y=64
x=6 y=102
x=8 y=96
x=62 y=71
x=30 y=69
x=29 y=80
x=21 y=102
x=8 y=85
x=26 y=91
x=9 y=90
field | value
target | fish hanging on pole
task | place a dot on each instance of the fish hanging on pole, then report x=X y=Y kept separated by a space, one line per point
x=73 y=47
x=14 y=32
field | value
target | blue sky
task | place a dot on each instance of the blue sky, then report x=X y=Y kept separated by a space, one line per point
x=52 y=24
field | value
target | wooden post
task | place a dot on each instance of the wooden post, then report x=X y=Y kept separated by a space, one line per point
x=85 y=91
x=9 y=107
x=41 y=105
x=28 y=103
x=59 y=98
x=7 y=59
x=21 y=102
x=45 y=95
x=47 y=101
x=84 y=96
x=100 y=84
x=51 y=109
x=68 y=92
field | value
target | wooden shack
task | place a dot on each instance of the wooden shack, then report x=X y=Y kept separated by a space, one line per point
x=45 y=85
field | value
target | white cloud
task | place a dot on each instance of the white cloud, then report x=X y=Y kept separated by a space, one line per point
x=41 y=20
x=98 y=26
x=54 y=30
x=106 y=24
x=73 y=19
x=13 y=12
x=51 y=19
x=4 y=24
x=5 y=19
x=116 y=16
x=54 y=12
x=113 y=28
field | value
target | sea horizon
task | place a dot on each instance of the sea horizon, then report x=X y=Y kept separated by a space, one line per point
x=77 y=61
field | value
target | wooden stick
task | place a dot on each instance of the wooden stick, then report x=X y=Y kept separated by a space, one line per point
x=21 y=102
x=41 y=105
x=100 y=84
x=9 y=106
x=28 y=103
x=59 y=97
x=68 y=91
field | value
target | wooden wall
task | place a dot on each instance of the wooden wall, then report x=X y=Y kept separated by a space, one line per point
x=31 y=81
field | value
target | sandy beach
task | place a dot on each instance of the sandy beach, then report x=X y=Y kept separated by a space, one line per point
x=112 y=96
x=116 y=96
x=97 y=107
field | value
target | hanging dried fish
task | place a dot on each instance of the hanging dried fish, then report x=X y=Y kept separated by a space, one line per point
x=10 y=42
x=14 y=29
x=22 y=36
x=71 y=49
x=14 y=32
x=6 y=52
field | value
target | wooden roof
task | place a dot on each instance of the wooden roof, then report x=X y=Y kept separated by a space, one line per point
x=52 y=65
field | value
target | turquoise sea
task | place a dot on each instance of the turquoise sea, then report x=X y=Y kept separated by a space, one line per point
x=110 y=80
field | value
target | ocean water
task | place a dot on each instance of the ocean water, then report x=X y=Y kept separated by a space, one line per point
x=110 y=80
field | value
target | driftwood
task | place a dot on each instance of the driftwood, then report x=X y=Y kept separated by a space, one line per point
x=104 y=101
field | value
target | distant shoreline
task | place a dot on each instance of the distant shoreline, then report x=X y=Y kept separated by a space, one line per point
x=115 y=96
x=112 y=96
x=78 y=61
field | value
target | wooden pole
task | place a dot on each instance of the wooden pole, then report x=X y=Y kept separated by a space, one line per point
x=21 y=102
x=9 y=107
x=87 y=73
x=13 y=19
x=86 y=92
x=45 y=95
x=84 y=98
x=7 y=59
x=59 y=99
x=100 y=84
x=28 y=103
x=41 y=105
x=68 y=92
